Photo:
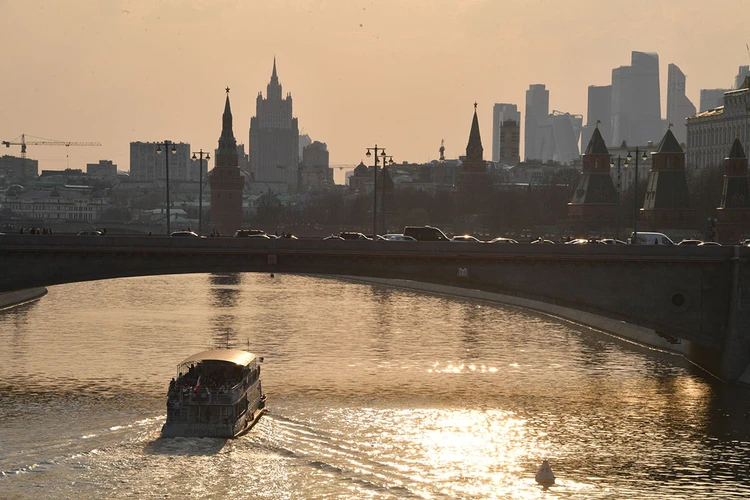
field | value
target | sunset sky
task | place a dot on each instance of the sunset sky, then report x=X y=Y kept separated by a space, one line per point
x=400 y=73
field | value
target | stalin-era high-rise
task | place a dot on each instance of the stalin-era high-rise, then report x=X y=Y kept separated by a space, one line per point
x=226 y=181
x=274 y=137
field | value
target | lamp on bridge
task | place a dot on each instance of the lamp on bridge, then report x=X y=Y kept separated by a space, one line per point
x=166 y=169
x=375 y=188
x=387 y=160
x=628 y=159
x=200 y=188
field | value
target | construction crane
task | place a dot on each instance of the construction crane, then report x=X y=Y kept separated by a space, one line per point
x=41 y=141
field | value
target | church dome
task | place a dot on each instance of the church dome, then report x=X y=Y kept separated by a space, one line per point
x=360 y=169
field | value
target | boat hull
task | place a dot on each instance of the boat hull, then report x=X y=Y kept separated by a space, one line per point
x=215 y=430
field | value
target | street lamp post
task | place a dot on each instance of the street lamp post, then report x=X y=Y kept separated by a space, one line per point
x=619 y=183
x=634 y=238
x=166 y=169
x=386 y=160
x=200 y=188
x=375 y=188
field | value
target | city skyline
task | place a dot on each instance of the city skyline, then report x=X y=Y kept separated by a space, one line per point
x=361 y=72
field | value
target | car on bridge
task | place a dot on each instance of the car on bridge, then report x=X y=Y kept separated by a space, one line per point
x=251 y=233
x=466 y=238
x=500 y=239
x=351 y=235
x=689 y=243
x=185 y=234
x=425 y=233
x=90 y=233
x=398 y=237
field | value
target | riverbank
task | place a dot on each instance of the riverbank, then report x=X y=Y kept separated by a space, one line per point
x=18 y=297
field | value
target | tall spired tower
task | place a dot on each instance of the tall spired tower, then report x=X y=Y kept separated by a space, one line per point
x=595 y=199
x=473 y=169
x=226 y=181
x=734 y=212
x=667 y=204
x=274 y=137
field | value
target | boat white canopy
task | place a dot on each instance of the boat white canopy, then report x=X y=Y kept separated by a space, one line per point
x=236 y=356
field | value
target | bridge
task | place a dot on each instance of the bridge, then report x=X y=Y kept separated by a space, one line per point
x=699 y=295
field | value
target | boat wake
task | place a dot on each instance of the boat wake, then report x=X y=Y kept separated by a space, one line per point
x=343 y=458
x=47 y=453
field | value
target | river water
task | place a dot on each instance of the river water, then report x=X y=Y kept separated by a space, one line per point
x=373 y=392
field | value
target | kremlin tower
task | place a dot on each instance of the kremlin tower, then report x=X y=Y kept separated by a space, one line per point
x=734 y=213
x=226 y=181
x=595 y=199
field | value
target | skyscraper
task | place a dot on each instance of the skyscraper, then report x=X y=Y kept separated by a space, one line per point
x=564 y=137
x=636 y=101
x=274 y=137
x=536 y=139
x=712 y=98
x=510 y=142
x=501 y=113
x=599 y=111
x=646 y=123
x=679 y=106
x=620 y=108
x=226 y=180
x=742 y=72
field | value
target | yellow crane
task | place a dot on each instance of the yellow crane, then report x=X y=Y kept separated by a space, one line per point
x=41 y=141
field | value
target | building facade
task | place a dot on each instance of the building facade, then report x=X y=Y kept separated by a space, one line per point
x=510 y=142
x=17 y=170
x=501 y=113
x=105 y=170
x=146 y=165
x=226 y=180
x=314 y=171
x=710 y=134
x=61 y=203
x=274 y=137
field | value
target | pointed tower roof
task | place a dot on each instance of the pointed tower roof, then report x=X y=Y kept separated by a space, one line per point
x=596 y=144
x=737 y=150
x=474 y=149
x=226 y=156
x=273 y=74
x=669 y=144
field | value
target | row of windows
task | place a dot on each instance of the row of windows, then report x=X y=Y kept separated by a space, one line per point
x=701 y=137
x=57 y=215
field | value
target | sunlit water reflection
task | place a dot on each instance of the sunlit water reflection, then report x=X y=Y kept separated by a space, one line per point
x=373 y=392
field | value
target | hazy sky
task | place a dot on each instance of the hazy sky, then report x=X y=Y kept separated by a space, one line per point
x=400 y=73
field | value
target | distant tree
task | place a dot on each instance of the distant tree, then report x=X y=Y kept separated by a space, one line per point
x=270 y=210
x=115 y=214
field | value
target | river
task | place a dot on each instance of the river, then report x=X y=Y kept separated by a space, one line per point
x=373 y=392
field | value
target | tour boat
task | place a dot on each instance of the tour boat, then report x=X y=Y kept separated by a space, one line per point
x=217 y=393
